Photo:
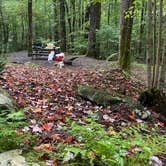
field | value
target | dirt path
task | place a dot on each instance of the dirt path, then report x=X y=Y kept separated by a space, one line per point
x=78 y=64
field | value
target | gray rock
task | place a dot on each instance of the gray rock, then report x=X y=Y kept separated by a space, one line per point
x=6 y=102
x=14 y=158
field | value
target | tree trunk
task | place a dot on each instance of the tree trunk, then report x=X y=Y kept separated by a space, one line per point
x=29 y=27
x=95 y=15
x=162 y=77
x=73 y=21
x=126 y=24
x=62 y=25
x=159 y=47
x=5 y=31
x=149 y=43
x=69 y=24
x=108 y=13
x=55 y=32
x=142 y=26
x=154 y=43
x=86 y=21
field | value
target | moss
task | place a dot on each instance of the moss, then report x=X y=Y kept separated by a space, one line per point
x=33 y=157
x=98 y=96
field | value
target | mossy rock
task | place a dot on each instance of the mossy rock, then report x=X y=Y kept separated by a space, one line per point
x=7 y=104
x=100 y=97
x=103 y=97
x=14 y=158
x=154 y=98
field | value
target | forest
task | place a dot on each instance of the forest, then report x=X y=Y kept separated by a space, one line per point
x=82 y=82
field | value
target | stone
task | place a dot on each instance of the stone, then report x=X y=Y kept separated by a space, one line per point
x=101 y=97
x=6 y=102
x=14 y=158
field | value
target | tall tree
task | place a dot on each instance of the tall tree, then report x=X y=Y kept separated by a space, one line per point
x=149 y=44
x=162 y=76
x=126 y=24
x=55 y=12
x=95 y=16
x=159 y=47
x=62 y=25
x=29 y=27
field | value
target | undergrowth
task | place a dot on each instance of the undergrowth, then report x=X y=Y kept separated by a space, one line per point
x=95 y=146
x=10 y=138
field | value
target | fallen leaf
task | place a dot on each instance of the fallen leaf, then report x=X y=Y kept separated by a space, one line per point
x=47 y=127
x=52 y=163
x=68 y=139
x=58 y=117
x=36 y=128
x=132 y=116
x=160 y=124
x=20 y=132
x=37 y=110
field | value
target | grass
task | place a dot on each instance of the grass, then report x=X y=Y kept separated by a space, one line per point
x=140 y=65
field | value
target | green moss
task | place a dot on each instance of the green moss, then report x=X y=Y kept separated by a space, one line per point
x=32 y=156
x=98 y=96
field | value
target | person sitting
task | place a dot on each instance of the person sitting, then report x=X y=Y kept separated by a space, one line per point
x=52 y=53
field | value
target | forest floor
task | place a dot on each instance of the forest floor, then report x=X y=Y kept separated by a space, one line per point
x=67 y=126
x=82 y=62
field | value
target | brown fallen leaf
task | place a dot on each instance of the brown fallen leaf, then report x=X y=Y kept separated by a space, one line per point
x=132 y=116
x=47 y=127
x=20 y=132
x=36 y=110
x=58 y=117
x=68 y=139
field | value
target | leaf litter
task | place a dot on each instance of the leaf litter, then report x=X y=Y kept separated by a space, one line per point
x=51 y=97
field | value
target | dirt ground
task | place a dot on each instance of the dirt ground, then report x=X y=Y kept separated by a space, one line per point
x=78 y=64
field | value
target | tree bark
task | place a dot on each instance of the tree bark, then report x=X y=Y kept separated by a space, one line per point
x=149 y=45
x=159 y=47
x=162 y=76
x=69 y=24
x=62 y=25
x=126 y=24
x=142 y=27
x=55 y=31
x=95 y=15
x=108 y=13
x=154 y=43
x=29 y=27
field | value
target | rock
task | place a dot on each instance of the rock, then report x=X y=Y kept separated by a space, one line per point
x=103 y=97
x=155 y=161
x=100 y=97
x=142 y=114
x=6 y=102
x=14 y=158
